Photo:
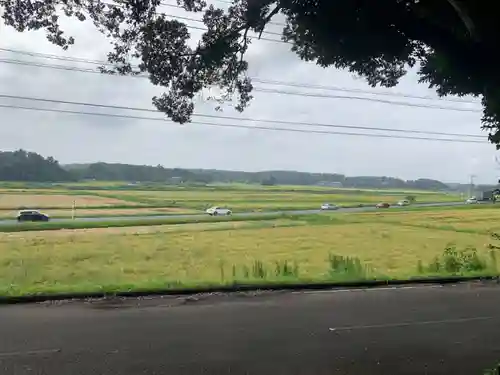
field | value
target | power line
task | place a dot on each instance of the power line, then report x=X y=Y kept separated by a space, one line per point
x=201 y=21
x=258 y=38
x=360 y=91
x=254 y=79
x=52 y=66
x=236 y=126
x=54 y=57
x=326 y=96
x=219 y=1
x=310 y=124
x=263 y=90
x=204 y=29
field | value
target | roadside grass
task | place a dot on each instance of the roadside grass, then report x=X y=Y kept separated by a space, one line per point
x=128 y=222
x=282 y=249
x=71 y=234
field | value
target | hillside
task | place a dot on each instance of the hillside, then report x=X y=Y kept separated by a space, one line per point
x=21 y=165
x=144 y=173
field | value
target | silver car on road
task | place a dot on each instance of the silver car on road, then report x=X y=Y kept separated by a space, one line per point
x=329 y=206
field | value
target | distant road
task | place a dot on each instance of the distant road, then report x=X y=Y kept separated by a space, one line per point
x=403 y=331
x=243 y=214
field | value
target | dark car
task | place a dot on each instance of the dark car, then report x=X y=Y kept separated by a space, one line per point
x=383 y=205
x=32 y=215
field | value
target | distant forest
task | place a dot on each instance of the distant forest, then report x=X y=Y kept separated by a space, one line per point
x=31 y=167
x=22 y=165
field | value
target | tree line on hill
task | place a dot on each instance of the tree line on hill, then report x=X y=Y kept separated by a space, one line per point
x=22 y=165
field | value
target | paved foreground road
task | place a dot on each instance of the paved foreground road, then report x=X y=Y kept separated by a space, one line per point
x=421 y=330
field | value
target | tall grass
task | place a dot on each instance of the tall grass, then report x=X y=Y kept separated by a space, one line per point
x=455 y=261
x=452 y=262
x=337 y=268
x=349 y=267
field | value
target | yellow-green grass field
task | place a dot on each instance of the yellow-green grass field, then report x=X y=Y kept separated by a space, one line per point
x=267 y=200
x=191 y=200
x=298 y=188
x=59 y=203
x=56 y=199
x=476 y=220
x=389 y=244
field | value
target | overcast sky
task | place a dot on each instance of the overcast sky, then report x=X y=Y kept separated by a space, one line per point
x=71 y=138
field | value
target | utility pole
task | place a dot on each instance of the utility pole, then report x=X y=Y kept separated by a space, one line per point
x=471 y=186
x=495 y=191
x=498 y=168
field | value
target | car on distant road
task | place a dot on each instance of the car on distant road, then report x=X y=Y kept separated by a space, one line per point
x=471 y=200
x=215 y=211
x=383 y=205
x=329 y=206
x=404 y=202
x=32 y=215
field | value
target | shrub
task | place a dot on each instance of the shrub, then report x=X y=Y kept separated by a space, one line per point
x=454 y=261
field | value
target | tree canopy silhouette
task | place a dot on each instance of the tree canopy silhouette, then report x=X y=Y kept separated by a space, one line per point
x=452 y=42
x=22 y=165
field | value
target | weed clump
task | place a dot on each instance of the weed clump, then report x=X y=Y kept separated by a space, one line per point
x=458 y=261
x=350 y=267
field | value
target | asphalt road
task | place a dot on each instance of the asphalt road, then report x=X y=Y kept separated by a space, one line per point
x=243 y=214
x=421 y=330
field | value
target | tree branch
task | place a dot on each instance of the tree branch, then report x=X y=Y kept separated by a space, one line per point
x=465 y=19
x=269 y=17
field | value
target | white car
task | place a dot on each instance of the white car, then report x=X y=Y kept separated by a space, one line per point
x=214 y=211
x=328 y=206
x=404 y=202
x=471 y=200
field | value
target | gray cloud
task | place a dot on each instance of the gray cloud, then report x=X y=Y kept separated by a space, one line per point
x=72 y=138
